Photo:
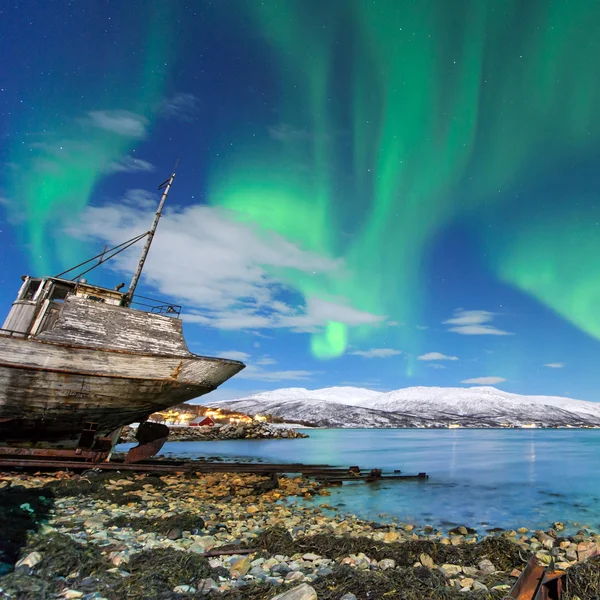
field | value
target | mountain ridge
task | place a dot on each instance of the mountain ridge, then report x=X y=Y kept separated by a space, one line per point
x=419 y=406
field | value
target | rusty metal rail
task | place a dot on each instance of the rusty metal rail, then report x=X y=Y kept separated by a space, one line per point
x=538 y=582
x=325 y=473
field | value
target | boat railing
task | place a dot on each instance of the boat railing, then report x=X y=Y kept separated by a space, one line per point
x=11 y=332
x=155 y=306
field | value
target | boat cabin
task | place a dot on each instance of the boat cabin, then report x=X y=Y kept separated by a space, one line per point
x=39 y=301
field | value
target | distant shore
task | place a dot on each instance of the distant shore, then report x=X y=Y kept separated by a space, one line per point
x=120 y=536
x=231 y=431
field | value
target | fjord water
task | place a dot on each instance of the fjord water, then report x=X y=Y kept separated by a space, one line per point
x=478 y=477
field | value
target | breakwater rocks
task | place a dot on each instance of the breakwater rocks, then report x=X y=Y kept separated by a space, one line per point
x=232 y=537
x=230 y=431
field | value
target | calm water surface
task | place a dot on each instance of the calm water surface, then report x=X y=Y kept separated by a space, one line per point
x=478 y=477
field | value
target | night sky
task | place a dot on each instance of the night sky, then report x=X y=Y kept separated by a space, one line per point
x=380 y=193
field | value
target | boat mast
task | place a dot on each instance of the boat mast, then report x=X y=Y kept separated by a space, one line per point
x=166 y=186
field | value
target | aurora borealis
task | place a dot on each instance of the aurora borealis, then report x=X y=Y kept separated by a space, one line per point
x=445 y=152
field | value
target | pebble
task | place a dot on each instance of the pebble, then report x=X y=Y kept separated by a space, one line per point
x=451 y=570
x=311 y=557
x=32 y=559
x=486 y=566
x=206 y=586
x=302 y=592
x=184 y=589
x=426 y=561
x=391 y=536
x=240 y=566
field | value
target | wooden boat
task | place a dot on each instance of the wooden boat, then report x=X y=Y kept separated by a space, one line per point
x=79 y=361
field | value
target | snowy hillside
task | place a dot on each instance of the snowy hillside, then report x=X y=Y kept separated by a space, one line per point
x=417 y=407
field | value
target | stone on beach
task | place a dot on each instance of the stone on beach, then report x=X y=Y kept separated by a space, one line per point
x=486 y=566
x=302 y=592
x=32 y=559
x=184 y=589
x=451 y=570
x=240 y=566
x=426 y=560
x=391 y=536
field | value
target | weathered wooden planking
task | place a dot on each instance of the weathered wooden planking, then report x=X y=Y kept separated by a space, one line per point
x=50 y=407
x=24 y=353
x=48 y=392
x=83 y=322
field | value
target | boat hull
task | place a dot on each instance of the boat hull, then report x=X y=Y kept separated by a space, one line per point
x=50 y=393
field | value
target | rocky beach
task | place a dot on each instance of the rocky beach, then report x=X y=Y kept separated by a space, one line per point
x=231 y=536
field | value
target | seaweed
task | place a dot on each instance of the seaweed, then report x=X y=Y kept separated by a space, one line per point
x=583 y=580
x=22 y=510
x=503 y=553
x=69 y=564
x=401 y=584
x=65 y=563
x=154 y=573
x=95 y=486
x=183 y=522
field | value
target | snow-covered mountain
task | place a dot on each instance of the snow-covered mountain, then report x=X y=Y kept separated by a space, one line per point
x=417 y=407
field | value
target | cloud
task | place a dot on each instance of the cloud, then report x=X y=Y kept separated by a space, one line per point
x=122 y=122
x=436 y=356
x=283 y=132
x=422 y=327
x=257 y=374
x=140 y=199
x=474 y=322
x=180 y=106
x=254 y=369
x=234 y=355
x=222 y=393
x=376 y=352
x=484 y=380
x=436 y=366
x=554 y=365
x=371 y=384
x=266 y=360
x=223 y=271
x=15 y=214
x=130 y=164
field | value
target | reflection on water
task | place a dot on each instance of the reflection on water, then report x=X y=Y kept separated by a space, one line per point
x=503 y=478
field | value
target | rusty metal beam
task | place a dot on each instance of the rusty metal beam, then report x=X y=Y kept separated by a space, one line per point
x=538 y=582
x=323 y=472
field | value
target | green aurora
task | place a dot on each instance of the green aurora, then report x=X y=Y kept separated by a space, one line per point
x=66 y=156
x=438 y=107
x=397 y=119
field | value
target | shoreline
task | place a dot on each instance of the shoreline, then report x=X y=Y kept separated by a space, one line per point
x=221 y=432
x=141 y=536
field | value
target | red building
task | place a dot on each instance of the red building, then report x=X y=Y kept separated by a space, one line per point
x=202 y=422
